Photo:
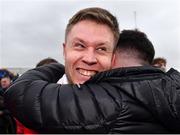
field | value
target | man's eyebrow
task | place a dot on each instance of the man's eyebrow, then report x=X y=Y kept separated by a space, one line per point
x=79 y=40
x=103 y=43
x=98 y=43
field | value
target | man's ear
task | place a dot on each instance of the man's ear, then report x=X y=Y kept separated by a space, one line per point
x=64 y=49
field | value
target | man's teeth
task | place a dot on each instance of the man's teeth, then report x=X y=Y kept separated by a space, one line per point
x=86 y=72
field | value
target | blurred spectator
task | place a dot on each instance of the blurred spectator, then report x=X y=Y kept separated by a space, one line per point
x=5 y=72
x=5 y=82
x=160 y=63
x=7 y=122
x=46 y=61
x=6 y=77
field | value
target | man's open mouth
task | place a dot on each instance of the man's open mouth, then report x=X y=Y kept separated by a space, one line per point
x=86 y=72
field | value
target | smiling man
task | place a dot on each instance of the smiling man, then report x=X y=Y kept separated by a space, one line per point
x=90 y=38
x=133 y=98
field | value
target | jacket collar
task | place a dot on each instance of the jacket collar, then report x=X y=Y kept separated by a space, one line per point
x=125 y=72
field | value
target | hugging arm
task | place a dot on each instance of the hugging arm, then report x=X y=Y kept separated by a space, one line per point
x=39 y=103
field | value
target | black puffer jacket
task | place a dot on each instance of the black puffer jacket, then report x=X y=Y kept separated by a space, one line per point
x=124 y=100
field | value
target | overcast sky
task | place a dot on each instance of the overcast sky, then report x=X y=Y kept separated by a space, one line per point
x=31 y=30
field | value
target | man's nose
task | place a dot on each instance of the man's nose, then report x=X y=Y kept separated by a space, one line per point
x=90 y=57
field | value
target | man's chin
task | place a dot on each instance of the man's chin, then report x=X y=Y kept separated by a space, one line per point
x=78 y=80
x=81 y=81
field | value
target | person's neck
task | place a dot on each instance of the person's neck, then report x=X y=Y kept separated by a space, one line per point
x=128 y=62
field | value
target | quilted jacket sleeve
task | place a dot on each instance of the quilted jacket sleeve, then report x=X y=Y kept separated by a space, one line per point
x=39 y=103
x=175 y=76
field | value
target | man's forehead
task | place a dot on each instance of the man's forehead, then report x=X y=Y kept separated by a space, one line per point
x=83 y=26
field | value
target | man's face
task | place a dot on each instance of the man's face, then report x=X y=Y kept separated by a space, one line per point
x=5 y=82
x=88 y=50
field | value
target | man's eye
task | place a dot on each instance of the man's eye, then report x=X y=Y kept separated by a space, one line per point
x=79 y=46
x=102 y=49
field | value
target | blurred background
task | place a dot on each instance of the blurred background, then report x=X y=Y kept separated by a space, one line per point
x=31 y=30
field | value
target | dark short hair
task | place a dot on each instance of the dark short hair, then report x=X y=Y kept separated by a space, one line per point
x=98 y=15
x=46 y=61
x=135 y=40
